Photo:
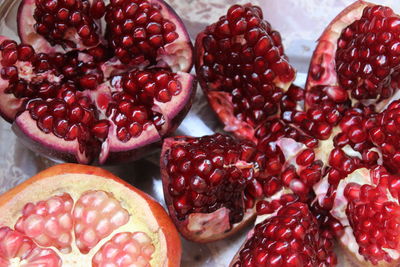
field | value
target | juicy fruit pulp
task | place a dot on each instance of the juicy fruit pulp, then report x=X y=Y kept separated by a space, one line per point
x=91 y=104
x=290 y=238
x=79 y=226
x=242 y=69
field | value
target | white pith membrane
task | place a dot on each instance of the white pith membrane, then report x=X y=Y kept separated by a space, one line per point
x=362 y=177
x=141 y=218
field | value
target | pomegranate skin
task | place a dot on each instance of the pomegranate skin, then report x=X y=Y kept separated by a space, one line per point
x=137 y=202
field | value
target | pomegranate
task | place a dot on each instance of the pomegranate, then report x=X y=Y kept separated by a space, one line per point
x=242 y=68
x=356 y=59
x=77 y=215
x=91 y=102
x=290 y=237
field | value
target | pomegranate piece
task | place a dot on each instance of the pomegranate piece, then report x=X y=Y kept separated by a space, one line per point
x=290 y=237
x=147 y=32
x=214 y=185
x=93 y=206
x=73 y=96
x=60 y=25
x=242 y=69
x=367 y=205
x=356 y=59
x=204 y=181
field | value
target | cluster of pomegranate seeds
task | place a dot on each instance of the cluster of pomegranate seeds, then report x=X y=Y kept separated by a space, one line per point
x=55 y=20
x=137 y=29
x=16 y=249
x=48 y=223
x=125 y=249
x=18 y=62
x=386 y=135
x=290 y=238
x=209 y=173
x=368 y=52
x=373 y=213
x=96 y=215
x=244 y=57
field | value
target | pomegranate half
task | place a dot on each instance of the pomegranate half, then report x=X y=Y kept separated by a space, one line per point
x=78 y=92
x=75 y=215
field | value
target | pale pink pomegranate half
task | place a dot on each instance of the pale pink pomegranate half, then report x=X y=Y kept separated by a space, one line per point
x=91 y=106
x=242 y=68
x=77 y=215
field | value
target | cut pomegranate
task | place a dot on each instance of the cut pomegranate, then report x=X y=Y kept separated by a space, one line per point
x=367 y=205
x=242 y=69
x=89 y=105
x=290 y=237
x=85 y=216
x=356 y=59
x=57 y=25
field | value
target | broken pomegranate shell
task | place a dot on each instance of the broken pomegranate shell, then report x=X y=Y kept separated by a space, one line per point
x=242 y=68
x=356 y=59
x=288 y=237
x=84 y=216
x=51 y=26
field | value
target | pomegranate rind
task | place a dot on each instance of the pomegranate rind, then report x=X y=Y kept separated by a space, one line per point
x=182 y=48
x=323 y=57
x=146 y=213
x=48 y=145
x=28 y=34
x=199 y=227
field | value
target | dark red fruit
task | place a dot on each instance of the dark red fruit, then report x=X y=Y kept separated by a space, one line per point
x=87 y=104
x=290 y=237
x=242 y=69
x=362 y=42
